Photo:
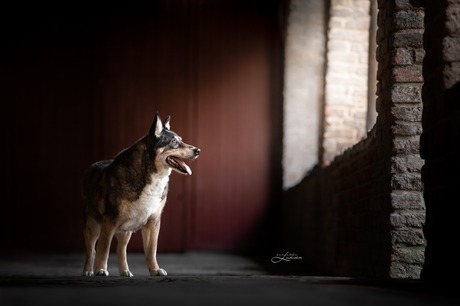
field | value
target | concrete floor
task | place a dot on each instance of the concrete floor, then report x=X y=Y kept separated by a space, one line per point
x=196 y=279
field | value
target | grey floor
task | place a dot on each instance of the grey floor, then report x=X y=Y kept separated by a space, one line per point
x=196 y=279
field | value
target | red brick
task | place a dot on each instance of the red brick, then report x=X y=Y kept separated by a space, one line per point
x=408 y=74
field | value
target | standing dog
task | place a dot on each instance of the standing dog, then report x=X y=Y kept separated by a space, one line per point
x=128 y=193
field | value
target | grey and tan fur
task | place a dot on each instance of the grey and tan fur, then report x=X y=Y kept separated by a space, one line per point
x=127 y=194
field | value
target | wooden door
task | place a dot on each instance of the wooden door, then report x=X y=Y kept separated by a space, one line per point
x=211 y=68
x=235 y=119
x=84 y=85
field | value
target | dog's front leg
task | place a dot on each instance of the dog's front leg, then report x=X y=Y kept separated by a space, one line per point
x=103 y=247
x=150 y=234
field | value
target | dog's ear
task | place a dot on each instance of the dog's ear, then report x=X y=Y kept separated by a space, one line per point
x=157 y=127
x=167 y=124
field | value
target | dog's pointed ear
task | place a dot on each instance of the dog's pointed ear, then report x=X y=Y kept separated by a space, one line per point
x=167 y=123
x=157 y=127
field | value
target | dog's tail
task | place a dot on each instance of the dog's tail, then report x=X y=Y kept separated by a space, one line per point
x=91 y=179
x=90 y=187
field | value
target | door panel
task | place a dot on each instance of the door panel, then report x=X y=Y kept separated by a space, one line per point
x=81 y=87
x=232 y=128
x=210 y=69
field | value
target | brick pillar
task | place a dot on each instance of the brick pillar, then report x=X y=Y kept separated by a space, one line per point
x=399 y=105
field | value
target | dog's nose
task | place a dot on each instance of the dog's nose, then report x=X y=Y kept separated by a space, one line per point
x=197 y=151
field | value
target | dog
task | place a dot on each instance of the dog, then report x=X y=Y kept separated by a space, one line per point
x=128 y=193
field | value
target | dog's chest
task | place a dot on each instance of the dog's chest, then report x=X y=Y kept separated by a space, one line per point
x=150 y=203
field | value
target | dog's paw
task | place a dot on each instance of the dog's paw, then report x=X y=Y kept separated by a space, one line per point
x=126 y=273
x=87 y=273
x=158 y=272
x=102 y=272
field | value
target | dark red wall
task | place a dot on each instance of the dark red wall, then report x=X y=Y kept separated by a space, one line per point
x=82 y=85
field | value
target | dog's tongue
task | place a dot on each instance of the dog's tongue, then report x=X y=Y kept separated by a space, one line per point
x=187 y=168
x=184 y=165
x=179 y=165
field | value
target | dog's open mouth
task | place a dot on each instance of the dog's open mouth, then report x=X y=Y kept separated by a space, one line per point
x=179 y=165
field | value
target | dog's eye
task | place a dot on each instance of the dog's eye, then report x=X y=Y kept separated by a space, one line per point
x=174 y=143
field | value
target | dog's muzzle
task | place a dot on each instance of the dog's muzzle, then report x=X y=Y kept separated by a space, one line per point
x=177 y=163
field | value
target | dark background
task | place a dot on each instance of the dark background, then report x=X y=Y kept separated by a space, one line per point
x=81 y=81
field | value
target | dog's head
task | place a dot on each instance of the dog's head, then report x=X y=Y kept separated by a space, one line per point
x=169 y=149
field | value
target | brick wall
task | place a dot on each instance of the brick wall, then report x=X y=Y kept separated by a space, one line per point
x=303 y=88
x=345 y=110
x=363 y=214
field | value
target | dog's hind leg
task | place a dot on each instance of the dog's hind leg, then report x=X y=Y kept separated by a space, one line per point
x=150 y=234
x=122 y=243
x=91 y=234
x=103 y=247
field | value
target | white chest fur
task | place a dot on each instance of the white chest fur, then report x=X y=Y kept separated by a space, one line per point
x=150 y=203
